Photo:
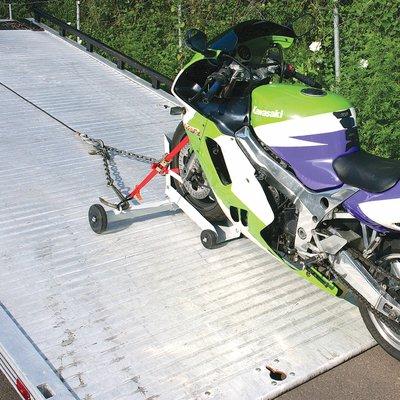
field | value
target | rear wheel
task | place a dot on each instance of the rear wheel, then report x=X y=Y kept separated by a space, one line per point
x=195 y=189
x=386 y=333
x=386 y=336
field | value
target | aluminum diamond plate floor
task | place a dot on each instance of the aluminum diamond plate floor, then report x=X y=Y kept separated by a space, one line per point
x=126 y=315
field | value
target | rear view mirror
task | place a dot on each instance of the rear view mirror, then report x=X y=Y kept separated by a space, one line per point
x=196 y=40
x=177 y=110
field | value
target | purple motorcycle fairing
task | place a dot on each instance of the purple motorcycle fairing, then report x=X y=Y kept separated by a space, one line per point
x=313 y=164
x=352 y=205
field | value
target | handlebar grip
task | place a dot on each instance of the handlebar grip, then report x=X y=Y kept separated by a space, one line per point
x=307 y=80
x=216 y=86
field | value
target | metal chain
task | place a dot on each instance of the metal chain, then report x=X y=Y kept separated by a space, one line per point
x=99 y=144
x=104 y=151
x=373 y=267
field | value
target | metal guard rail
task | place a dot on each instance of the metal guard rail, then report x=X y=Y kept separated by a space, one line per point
x=121 y=59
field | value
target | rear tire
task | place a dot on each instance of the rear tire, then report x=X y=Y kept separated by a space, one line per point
x=384 y=335
x=207 y=206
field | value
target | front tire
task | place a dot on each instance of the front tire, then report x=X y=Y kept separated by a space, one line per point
x=195 y=191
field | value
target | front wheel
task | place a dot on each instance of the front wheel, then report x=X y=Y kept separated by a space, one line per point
x=195 y=189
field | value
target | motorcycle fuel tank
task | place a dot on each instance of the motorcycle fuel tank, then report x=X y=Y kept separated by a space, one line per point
x=306 y=127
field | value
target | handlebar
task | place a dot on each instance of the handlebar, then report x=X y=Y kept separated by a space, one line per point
x=223 y=76
x=215 y=87
x=307 y=80
x=290 y=72
x=219 y=79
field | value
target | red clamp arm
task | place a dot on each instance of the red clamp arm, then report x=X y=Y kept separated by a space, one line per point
x=161 y=167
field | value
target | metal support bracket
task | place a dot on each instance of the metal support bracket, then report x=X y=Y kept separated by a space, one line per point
x=212 y=235
x=354 y=273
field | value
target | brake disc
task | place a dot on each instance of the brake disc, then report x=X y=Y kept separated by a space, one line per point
x=196 y=184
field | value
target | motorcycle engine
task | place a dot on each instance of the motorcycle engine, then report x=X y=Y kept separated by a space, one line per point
x=282 y=231
x=287 y=226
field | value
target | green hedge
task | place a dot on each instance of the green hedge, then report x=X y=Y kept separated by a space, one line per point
x=370 y=30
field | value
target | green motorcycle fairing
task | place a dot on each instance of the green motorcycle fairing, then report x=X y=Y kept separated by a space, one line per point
x=255 y=227
x=288 y=101
x=200 y=126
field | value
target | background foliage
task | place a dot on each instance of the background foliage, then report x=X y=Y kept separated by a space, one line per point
x=148 y=30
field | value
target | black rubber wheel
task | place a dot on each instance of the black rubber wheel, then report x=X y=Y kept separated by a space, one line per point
x=208 y=207
x=386 y=336
x=97 y=218
x=209 y=239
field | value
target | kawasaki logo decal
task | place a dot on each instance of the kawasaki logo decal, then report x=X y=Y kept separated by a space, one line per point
x=192 y=129
x=268 y=113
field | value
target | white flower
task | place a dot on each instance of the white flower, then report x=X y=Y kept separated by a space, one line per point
x=363 y=63
x=315 y=46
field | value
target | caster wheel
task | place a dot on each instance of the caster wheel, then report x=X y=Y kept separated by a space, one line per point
x=97 y=218
x=209 y=239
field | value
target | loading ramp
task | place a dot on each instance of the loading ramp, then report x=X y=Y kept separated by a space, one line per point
x=124 y=315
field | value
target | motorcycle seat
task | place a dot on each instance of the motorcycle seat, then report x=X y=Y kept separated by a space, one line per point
x=367 y=172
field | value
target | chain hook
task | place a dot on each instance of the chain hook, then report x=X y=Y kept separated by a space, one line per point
x=101 y=149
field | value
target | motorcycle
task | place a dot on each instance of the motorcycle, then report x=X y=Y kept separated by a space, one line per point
x=282 y=162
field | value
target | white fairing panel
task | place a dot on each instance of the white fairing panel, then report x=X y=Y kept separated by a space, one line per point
x=190 y=111
x=245 y=186
x=285 y=133
x=384 y=212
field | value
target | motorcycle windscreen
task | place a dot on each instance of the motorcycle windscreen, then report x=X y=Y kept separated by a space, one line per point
x=256 y=35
